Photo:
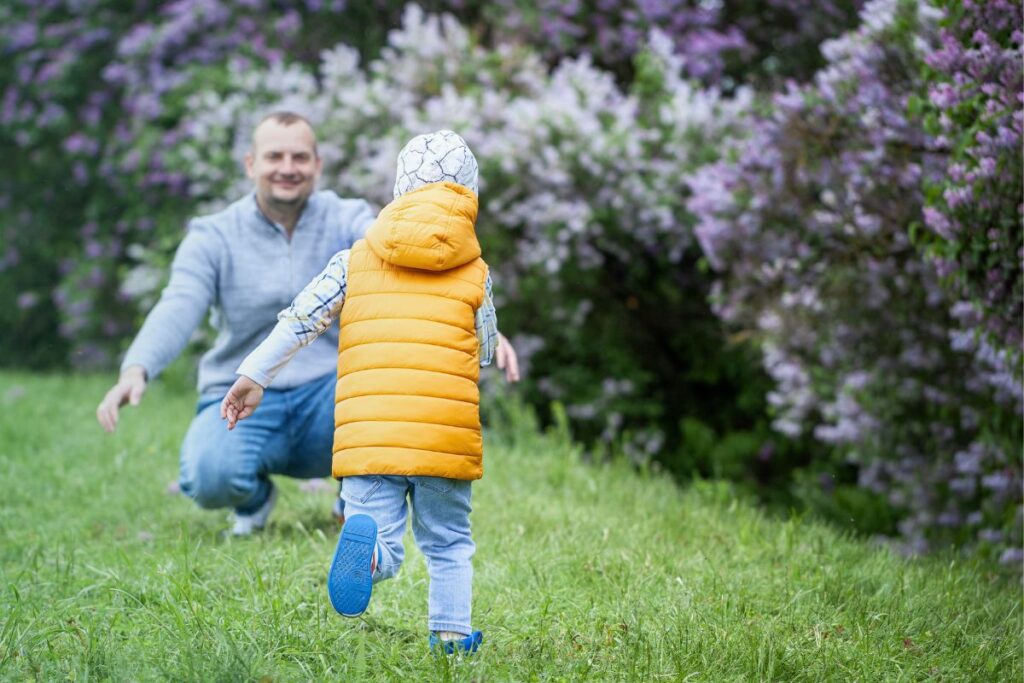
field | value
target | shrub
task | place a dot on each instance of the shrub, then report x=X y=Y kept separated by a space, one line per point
x=973 y=209
x=719 y=43
x=809 y=224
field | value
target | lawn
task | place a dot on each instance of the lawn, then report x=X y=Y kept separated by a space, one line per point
x=583 y=573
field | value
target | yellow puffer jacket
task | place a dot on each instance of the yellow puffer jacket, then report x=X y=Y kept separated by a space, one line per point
x=407 y=400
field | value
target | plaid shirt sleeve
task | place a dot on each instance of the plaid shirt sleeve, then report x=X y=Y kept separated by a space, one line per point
x=315 y=307
x=309 y=316
x=487 y=325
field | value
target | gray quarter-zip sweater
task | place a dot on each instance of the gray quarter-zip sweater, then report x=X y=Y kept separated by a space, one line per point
x=242 y=266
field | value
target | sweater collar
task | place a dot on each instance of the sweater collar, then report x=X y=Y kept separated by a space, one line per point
x=308 y=211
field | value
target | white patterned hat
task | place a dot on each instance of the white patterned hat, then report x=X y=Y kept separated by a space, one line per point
x=441 y=156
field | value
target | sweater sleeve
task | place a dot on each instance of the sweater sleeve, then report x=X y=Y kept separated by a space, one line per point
x=183 y=303
x=361 y=219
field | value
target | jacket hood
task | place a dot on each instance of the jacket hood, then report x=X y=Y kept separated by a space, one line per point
x=430 y=228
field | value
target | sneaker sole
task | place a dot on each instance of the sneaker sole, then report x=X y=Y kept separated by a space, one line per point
x=349 y=581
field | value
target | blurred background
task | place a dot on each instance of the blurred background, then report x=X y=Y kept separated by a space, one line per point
x=776 y=242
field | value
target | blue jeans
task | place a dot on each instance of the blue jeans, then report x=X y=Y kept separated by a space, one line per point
x=440 y=525
x=291 y=433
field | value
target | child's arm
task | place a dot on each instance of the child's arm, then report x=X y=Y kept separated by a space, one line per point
x=487 y=325
x=309 y=316
x=241 y=401
x=493 y=345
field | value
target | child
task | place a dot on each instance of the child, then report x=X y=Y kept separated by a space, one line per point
x=417 y=321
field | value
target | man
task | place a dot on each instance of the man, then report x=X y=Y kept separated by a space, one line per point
x=247 y=262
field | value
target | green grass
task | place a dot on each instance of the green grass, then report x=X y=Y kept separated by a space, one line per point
x=583 y=573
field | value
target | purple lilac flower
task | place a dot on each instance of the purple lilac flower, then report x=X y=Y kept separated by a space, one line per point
x=1012 y=556
x=21 y=36
x=27 y=300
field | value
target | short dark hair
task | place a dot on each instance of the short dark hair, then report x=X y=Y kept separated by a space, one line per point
x=285 y=118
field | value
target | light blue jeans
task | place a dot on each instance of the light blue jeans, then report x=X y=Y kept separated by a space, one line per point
x=440 y=525
x=291 y=433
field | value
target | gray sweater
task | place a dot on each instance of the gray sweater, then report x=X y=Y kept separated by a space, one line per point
x=242 y=265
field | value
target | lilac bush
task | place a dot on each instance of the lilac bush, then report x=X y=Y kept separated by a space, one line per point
x=809 y=224
x=972 y=212
x=614 y=31
x=737 y=39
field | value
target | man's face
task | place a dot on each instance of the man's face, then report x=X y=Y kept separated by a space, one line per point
x=283 y=163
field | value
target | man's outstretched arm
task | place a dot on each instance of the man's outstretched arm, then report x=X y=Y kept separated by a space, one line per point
x=168 y=327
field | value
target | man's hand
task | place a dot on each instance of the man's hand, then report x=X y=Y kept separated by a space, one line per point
x=505 y=356
x=241 y=401
x=129 y=389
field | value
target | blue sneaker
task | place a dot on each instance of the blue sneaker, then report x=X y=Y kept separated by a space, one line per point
x=350 y=579
x=467 y=645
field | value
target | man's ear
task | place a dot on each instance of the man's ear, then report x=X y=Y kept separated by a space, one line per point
x=249 y=161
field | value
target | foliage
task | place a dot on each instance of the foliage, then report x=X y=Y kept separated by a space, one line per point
x=973 y=209
x=730 y=41
x=809 y=223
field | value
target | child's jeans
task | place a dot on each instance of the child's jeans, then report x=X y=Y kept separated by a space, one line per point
x=440 y=524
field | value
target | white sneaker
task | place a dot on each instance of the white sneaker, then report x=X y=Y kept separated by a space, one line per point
x=247 y=524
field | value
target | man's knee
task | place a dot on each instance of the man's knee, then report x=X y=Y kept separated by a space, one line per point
x=214 y=480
